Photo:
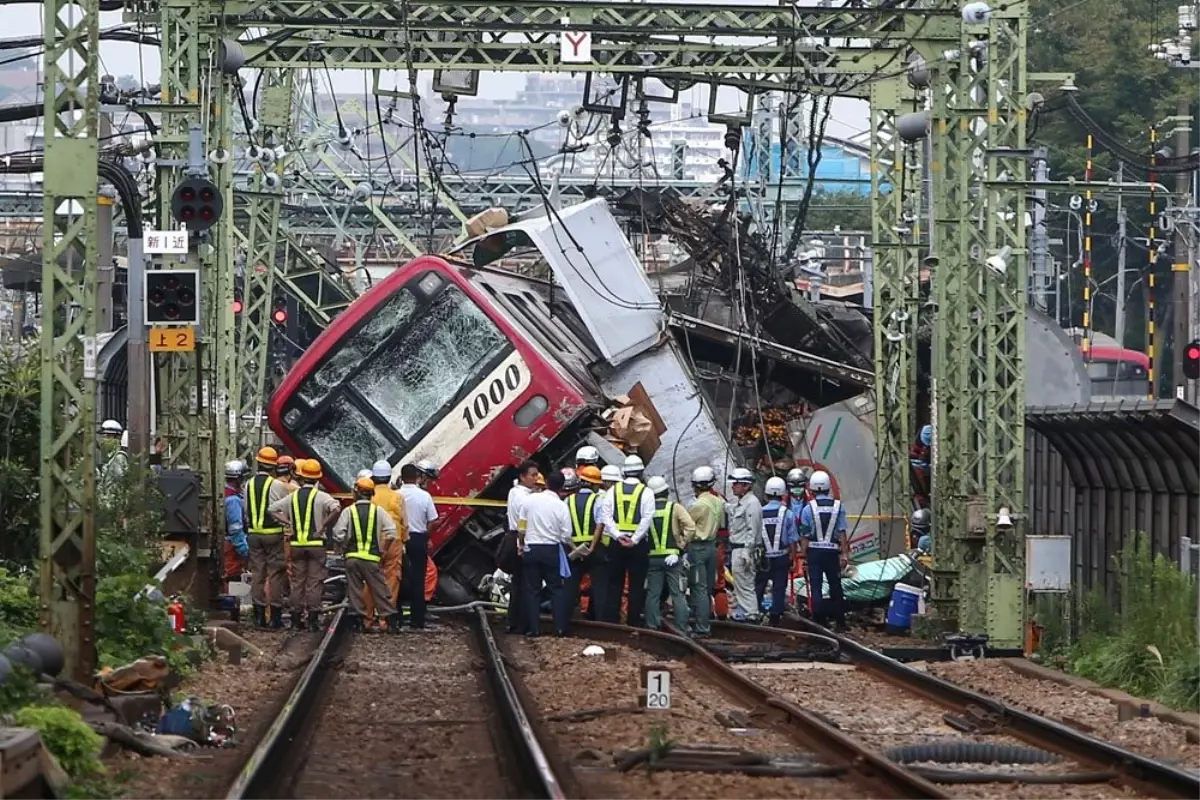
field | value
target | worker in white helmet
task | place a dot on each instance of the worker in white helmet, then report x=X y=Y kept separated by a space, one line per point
x=587 y=456
x=671 y=531
x=627 y=513
x=780 y=537
x=825 y=546
x=392 y=502
x=708 y=515
x=745 y=517
x=114 y=460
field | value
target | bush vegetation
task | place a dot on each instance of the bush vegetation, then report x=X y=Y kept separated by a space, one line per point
x=1145 y=642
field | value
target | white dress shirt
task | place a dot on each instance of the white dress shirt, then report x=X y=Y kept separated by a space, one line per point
x=516 y=498
x=418 y=503
x=547 y=519
x=608 y=515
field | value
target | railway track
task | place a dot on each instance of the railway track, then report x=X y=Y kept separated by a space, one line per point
x=915 y=716
x=419 y=715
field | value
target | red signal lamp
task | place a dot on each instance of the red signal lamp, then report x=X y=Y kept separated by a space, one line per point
x=279 y=316
x=237 y=306
x=1191 y=361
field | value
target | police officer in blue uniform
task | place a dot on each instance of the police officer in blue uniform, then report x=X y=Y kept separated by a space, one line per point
x=779 y=539
x=825 y=544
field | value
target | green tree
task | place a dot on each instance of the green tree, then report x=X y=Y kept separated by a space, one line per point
x=850 y=211
x=20 y=423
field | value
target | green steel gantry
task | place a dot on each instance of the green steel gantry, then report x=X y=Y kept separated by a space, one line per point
x=976 y=93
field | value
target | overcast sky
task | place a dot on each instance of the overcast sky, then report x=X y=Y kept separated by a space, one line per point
x=121 y=58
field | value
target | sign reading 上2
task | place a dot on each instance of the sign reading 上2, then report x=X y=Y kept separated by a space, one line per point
x=658 y=688
x=172 y=340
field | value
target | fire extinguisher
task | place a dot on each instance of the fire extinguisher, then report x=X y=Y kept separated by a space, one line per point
x=176 y=615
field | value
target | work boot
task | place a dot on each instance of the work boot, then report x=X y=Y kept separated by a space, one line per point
x=276 y=619
x=297 y=621
x=260 y=617
x=314 y=621
x=393 y=623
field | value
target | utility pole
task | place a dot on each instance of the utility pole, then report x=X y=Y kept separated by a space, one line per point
x=1181 y=262
x=1122 y=218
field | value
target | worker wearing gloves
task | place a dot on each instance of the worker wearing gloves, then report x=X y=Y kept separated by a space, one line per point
x=390 y=501
x=236 y=548
x=745 y=529
x=707 y=513
x=365 y=530
x=825 y=545
x=309 y=513
x=268 y=558
x=779 y=538
x=589 y=554
x=508 y=558
x=671 y=530
x=545 y=527
x=628 y=512
x=421 y=513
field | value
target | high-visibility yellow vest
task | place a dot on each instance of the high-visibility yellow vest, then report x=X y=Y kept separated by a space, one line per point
x=366 y=548
x=302 y=518
x=627 y=506
x=583 y=520
x=258 y=496
x=661 y=543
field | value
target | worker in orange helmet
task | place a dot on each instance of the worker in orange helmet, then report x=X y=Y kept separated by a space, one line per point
x=309 y=513
x=285 y=471
x=390 y=501
x=268 y=559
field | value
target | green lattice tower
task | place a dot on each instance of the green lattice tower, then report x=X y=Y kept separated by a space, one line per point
x=68 y=381
x=979 y=389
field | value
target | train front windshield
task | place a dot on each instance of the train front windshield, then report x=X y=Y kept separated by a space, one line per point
x=385 y=384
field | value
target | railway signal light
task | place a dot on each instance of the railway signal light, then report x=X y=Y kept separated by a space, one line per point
x=197 y=204
x=1191 y=361
x=172 y=297
x=237 y=305
x=279 y=315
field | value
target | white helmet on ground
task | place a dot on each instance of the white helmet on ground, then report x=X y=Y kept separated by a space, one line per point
x=110 y=427
x=819 y=481
x=796 y=478
x=570 y=479
x=381 y=469
x=587 y=455
x=775 y=487
x=704 y=476
x=235 y=469
x=611 y=473
x=741 y=475
x=657 y=485
x=633 y=465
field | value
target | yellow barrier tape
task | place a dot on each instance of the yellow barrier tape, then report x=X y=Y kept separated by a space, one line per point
x=480 y=502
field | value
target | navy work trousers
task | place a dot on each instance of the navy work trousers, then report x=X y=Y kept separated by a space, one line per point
x=416 y=553
x=632 y=563
x=541 y=566
x=825 y=563
x=777 y=574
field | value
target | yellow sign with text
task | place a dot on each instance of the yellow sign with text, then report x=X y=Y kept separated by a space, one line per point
x=172 y=340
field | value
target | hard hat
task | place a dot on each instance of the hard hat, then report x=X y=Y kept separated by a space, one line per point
x=632 y=465
x=110 y=427
x=704 y=476
x=540 y=480
x=610 y=473
x=286 y=462
x=927 y=435
x=775 y=487
x=365 y=485
x=796 y=478
x=587 y=455
x=309 y=468
x=922 y=518
x=657 y=484
x=427 y=467
x=570 y=479
x=381 y=469
x=125 y=439
x=362 y=473
x=590 y=474
x=267 y=455
x=741 y=475
x=235 y=469
x=819 y=481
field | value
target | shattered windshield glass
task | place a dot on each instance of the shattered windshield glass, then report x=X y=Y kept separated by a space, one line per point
x=346 y=441
x=388 y=318
x=410 y=379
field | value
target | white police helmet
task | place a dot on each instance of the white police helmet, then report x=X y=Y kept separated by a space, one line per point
x=657 y=484
x=587 y=455
x=819 y=481
x=775 y=487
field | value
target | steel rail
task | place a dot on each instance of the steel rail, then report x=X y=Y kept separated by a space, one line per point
x=1137 y=771
x=271 y=765
x=885 y=777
